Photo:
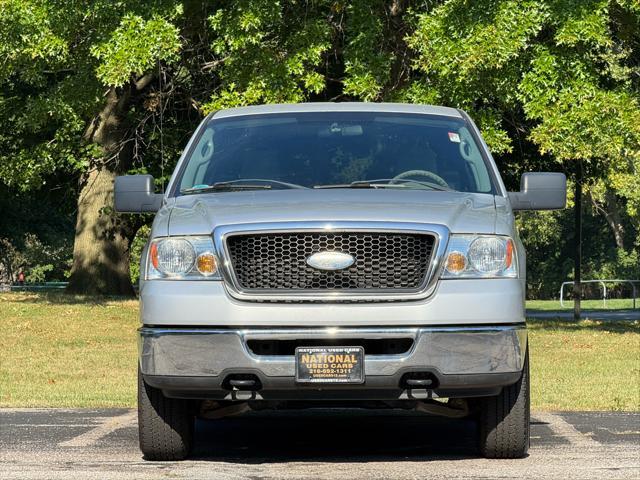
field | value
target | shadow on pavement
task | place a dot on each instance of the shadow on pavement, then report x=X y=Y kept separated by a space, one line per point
x=344 y=436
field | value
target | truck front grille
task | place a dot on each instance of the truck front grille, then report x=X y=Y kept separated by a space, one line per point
x=277 y=262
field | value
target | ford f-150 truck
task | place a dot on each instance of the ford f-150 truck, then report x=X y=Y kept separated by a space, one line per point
x=334 y=254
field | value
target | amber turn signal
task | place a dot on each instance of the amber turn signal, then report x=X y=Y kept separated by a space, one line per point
x=207 y=264
x=509 y=259
x=456 y=262
x=153 y=254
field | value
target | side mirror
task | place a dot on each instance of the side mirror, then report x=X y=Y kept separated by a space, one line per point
x=135 y=194
x=540 y=191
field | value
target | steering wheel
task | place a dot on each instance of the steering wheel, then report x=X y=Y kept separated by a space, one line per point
x=422 y=173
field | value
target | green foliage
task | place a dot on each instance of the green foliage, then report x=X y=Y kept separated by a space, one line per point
x=38 y=273
x=549 y=241
x=561 y=78
x=36 y=229
x=59 y=56
x=460 y=40
x=548 y=247
x=470 y=55
x=27 y=37
x=578 y=119
x=557 y=61
x=269 y=51
x=135 y=47
x=549 y=82
x=39 y=113
x=38 y=260
x=136 y=252
x=367 y=63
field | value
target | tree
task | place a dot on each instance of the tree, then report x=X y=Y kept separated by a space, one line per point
x=80 y=95
x=85 y=87
x=550 y=82
x=568 y=67
x=36 y=231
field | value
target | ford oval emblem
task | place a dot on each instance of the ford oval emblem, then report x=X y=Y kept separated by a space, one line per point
x=330 y=260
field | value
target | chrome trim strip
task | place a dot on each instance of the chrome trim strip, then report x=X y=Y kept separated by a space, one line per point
x=313 y=332
x=449 y=350
x=441 y=238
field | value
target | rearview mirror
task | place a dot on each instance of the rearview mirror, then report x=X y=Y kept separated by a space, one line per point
x=135 y=194
x=540 y=191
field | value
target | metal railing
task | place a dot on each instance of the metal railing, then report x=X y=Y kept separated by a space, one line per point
x=604 y=289
x=33 y=286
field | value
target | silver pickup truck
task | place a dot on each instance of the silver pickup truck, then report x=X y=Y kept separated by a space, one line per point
x=341 y=254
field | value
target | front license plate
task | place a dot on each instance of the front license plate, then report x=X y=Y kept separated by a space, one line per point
x=330 y=365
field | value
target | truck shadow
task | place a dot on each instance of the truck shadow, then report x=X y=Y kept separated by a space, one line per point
x=622 y=321
x=334 y=436
x=60 y=297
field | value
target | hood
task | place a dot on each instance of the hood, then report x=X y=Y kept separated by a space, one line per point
x=200 y=214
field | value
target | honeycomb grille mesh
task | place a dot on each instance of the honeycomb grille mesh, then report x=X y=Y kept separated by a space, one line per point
x=383 y=261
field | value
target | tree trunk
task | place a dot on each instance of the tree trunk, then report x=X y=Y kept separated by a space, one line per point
x=101 y=246
x=611 y=213
x=397 y=35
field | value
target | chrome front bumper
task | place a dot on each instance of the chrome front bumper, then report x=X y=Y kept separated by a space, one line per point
x=195 y=361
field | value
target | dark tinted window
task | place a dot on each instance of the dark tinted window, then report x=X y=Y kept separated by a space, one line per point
x=311 y=149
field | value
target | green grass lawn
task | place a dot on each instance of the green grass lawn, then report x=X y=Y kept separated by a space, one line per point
x=63 y=351
x=587 y=365
x=58 y=350
x=612 y=304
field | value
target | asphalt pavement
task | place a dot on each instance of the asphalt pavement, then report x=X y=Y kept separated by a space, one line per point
x=314 y=444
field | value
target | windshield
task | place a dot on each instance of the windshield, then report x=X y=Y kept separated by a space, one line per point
x=335 y=150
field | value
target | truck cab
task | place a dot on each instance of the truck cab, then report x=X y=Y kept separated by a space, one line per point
x=352 y=253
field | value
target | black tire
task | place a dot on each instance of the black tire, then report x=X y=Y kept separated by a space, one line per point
x=165 y=425
x=504 y=420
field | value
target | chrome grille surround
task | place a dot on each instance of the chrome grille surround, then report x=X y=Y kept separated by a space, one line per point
x=333 y=230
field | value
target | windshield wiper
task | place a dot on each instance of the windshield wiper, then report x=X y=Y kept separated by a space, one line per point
x=224 y=187
x=270 y=181
x=235 y=185
x=358 y=184
x=378 y=183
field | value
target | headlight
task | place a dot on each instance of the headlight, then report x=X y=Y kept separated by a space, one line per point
x=480 y=256
x=189 y=258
